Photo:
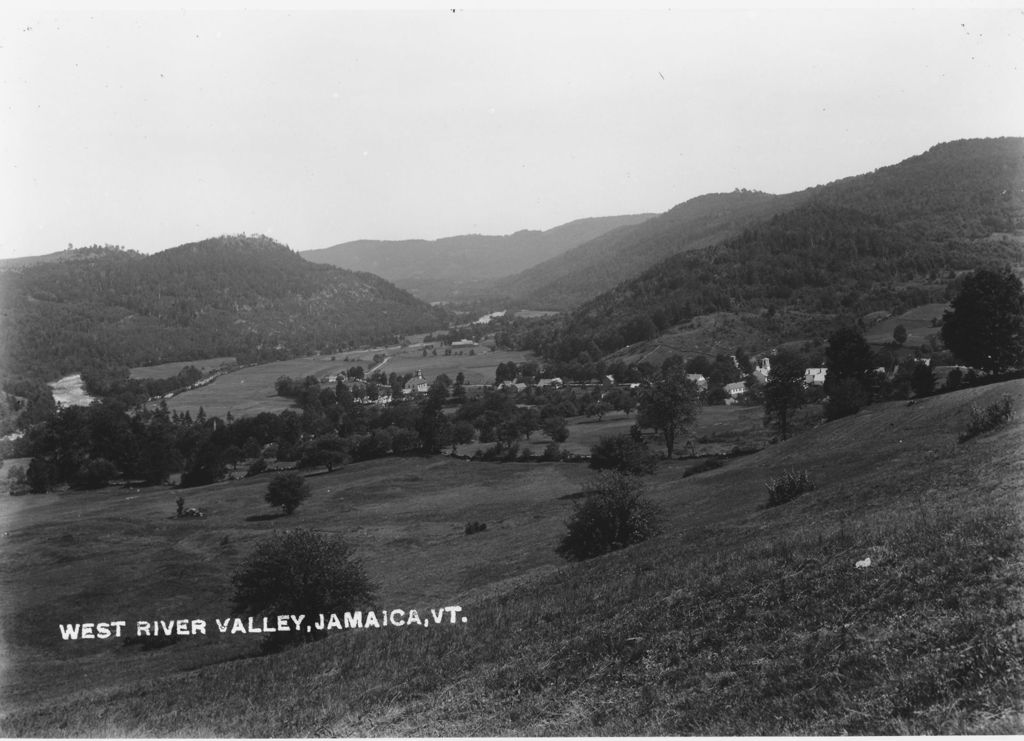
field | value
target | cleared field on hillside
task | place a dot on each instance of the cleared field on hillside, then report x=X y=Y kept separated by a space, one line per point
x=738 y=620
x=249 y=391
x=917 y=322
x=169 y=370
x=122 y=554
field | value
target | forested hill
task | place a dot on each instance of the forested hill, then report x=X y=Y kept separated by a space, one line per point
x=895 y=237
x=970 y=188
x=246 y=296
x=464 y=266
x=573 y=277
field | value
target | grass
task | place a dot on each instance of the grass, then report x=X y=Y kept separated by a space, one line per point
x=718 y=430
x=917 y=321
x=249 y=391
x=169 y=370
x=988 y=418
x=788 y=486
x=737 y=621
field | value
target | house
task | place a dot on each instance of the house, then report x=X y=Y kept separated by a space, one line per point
x=815 y=376
x=463 y=343
x=762 y=370
x=555 y=383
x=417 y=385
x=699 y=380
x=736 y=389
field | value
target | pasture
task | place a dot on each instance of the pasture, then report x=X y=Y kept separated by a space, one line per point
x=169 y=370
x=249 y=391
x=738 y=620
x=122 y=554
x=917 y=322
x=718 y=430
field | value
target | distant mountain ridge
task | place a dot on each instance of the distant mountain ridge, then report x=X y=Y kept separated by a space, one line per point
x=243 y=296
x=454 y=267
x=573 y=277
x=895 y=236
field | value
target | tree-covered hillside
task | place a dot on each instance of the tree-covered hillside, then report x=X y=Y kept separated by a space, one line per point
x=246 y=296
x=580 y=274
x=464 y=267
x=895 y=237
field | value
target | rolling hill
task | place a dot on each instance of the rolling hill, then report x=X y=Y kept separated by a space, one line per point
x=464 y=267
x=566 y=281
x=242 y=296
x=738 y=620
x=894 y=237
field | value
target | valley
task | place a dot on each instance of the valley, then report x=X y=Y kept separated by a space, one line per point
x=888 y=478
x=800 y=413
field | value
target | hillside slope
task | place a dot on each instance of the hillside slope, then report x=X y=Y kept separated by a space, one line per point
x=464 y=266
x=571 y=278
x=243 y=296
x=738 y=620
x=893 y=237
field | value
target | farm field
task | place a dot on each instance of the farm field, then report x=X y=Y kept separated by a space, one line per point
x=892 y=481
x=917 y=321
x=169 y=370
x=122 y=554
x=249 y=391
x=717 y=430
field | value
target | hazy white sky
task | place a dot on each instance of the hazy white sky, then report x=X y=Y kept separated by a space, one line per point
x=152 y=129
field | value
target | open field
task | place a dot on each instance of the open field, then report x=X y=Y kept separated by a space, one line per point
x=169 y=370
x=717 y=430
x=917 y=322
x=249 y=391
x=738 y=620
x=122 y=554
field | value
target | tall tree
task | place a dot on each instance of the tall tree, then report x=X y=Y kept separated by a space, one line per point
x=985 y=327
x=784 y=392
x=669 y=403
x=847 y=356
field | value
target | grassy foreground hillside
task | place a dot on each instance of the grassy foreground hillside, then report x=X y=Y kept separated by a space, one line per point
x=737 y=620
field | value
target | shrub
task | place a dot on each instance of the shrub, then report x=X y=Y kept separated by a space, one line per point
x=847 y=397
x=287 y=491
x=475 y=527
x=613 y=515
x=40 y=476
x=258 y=466
x=789 y=485
x=300 y=572
x=982 y=420
x=954 y=379
x=708 y=464
x=551 y=452
x=17 y=481
x=623 y=453
x=95 y=474
x=922 y=380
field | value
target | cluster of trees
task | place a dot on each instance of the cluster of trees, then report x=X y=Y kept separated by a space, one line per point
x=115 y=383
x=984 y=329
x=817 y=259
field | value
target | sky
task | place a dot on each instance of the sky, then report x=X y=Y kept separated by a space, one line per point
x=150 y=129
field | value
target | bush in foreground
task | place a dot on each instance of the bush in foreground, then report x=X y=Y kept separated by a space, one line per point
x=789 y=485
x=982 y=420
x=300 y=572
x=613 y=515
